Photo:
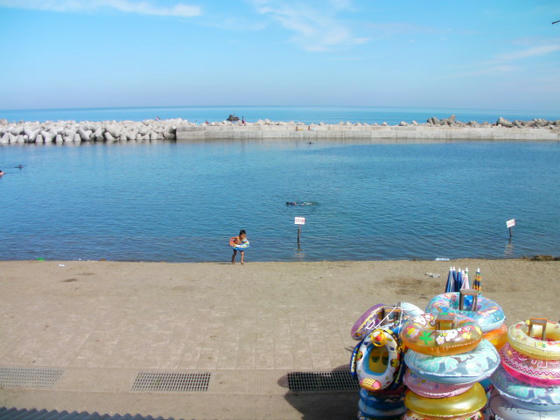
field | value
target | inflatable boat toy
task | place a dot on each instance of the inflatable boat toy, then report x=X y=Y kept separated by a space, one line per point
x=238 y=247
x=534 y=372
x=498 y=337
x=429 y=389
x=464 y=405
x=466 y=368
x=411 y=415
x=378 y=360
x=537 y=338
x=487 y=313
x=503 y=409
x=384 y=316
x=443 y=335
x=524 y=395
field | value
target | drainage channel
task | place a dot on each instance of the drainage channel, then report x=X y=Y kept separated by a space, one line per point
x=29 y=377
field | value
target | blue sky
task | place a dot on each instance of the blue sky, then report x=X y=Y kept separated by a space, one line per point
x=100 y=53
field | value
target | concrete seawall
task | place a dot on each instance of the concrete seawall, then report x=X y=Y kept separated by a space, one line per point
x=338 y=132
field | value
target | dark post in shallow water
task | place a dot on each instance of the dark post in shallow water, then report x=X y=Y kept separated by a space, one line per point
x=299 y=222
x=510 y=224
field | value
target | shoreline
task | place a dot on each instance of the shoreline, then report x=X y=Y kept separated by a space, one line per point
x=533 y=258
x=179 y=130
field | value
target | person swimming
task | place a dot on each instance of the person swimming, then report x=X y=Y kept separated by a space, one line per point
x=300 y=203
x=1 y=172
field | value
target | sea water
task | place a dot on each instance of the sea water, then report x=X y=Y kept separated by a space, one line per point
x=182 y=202
x=308 y=114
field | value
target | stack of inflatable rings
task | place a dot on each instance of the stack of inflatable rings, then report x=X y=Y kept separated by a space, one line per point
x=377 y=361
x=528 y=381
x=488 y=314
x=444 y=368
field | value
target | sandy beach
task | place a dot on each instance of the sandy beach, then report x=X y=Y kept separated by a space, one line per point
x=101 y=323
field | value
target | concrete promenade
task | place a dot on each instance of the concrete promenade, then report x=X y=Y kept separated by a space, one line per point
x=97 y=325
x=365 y=132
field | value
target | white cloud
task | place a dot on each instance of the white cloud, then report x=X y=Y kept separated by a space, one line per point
x=125 y=6
x=529 y=52
x=315 y=28
x=508 y=62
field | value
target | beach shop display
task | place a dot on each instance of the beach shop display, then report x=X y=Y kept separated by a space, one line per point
x=456 y=361
x=528 y=380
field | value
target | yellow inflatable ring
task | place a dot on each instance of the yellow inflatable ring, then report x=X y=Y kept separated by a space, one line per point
x=411 y=415
x=532 y=344
x=460 y=405
x=421 y=335
x=497 y=337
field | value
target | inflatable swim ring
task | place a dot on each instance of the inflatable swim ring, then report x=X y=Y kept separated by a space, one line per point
x=368 y=321
x=382 y=315
x=468 y=403
x=420 y=334
x=488 y=313
x=353 y=360
x=429 y=389
x=411 y=415
x=378 y=360
x=498 y=337
x=369 y=413
x=382 y=401
x=466 y=368
x=505 y=410
x=532 y=345
x=525 y=395
x=534 y=372
x=238 y=247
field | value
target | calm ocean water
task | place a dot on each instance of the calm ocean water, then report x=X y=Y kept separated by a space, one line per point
x=181 y=202
x=275 y=113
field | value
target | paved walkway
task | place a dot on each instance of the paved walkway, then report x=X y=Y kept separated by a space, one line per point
x=100 y=324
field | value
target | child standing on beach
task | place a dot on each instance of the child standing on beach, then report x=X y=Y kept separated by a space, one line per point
x=239 y=243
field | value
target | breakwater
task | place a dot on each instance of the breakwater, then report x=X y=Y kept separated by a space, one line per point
x=72 y=132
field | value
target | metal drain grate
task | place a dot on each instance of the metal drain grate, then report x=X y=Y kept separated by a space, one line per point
x=171 y=382
x=322 y=381
x=29 y=377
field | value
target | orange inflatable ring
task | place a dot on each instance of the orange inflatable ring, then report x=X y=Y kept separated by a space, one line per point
x=422 y=335
x=498 y=337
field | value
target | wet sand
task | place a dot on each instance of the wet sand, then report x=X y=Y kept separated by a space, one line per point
x=249 y=326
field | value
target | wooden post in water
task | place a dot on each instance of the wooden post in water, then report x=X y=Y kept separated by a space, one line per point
x=510 y=224
x=299 y=221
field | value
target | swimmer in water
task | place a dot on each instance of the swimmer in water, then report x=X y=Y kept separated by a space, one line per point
x=301 y=203
x=1 y=172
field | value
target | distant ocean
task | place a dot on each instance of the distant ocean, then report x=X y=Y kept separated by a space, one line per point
x=275 y=113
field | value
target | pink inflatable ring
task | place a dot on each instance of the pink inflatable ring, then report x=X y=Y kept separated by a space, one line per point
x=430 y=389
x=536 y=372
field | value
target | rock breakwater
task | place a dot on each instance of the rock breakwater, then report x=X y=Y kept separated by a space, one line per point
x=73 y=132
